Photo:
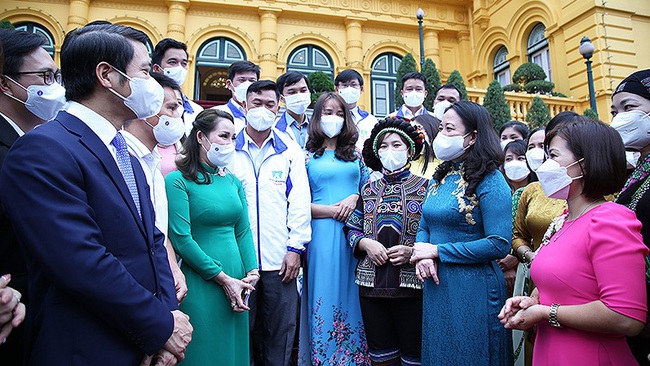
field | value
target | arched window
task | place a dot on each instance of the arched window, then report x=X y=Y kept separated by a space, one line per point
x=36 y=28
x=502 y=66
x=212 y=62
x=308 y=59
x=538 y=49
x=382 y=79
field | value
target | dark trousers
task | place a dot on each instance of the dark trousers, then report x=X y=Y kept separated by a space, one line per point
x=273 y=315
x=393 y=329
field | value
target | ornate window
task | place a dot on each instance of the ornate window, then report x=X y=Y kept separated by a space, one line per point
x=382 y=80
x=502 y=66
x=212 y=62
x=36 y=28
x=538 y=51
x=308 y=59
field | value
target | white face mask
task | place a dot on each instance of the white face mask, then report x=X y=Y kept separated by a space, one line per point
x=555 y=180
x=504 y=143
x=393 y=160
x=634 y=128
x=350 y=95
x=260 y=118
x=240 y=91
x=168 y=130
x=413 y=99
x=331 y=125
x=44 y=101
x=535 y=157
x=146 y=98
x=448 y=148
x=516 y=170
x=298 y=103
x=632 y=157
x=220 y=155
x=178 y=74
x=440 y=108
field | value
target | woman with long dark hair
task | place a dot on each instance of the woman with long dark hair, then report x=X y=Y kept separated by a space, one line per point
x=425 y=164
x=209 y=229
x=465 y=227
x=331 y=328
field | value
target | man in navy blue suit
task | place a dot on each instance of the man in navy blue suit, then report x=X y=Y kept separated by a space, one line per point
x=101 y=288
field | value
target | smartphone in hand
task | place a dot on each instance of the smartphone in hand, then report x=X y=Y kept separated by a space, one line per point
x=245 y=294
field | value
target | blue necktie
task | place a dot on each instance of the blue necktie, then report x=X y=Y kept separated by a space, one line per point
x=124 y=163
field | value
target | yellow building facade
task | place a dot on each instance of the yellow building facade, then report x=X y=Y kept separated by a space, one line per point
x=483 y=39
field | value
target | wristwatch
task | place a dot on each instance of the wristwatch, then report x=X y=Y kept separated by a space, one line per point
x=552 y=317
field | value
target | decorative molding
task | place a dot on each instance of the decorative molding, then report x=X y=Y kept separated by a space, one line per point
x=131 y=7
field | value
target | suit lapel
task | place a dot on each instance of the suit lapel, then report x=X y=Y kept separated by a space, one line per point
x=92 y=142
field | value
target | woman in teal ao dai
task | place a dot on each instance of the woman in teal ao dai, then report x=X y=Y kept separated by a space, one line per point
x=465 y=227
x=209 y=228
x=331 y=327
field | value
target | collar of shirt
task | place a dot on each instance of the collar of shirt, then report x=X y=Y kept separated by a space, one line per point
x=355 y=114
x=236 y=109
x=249 y=141
x=13 y=124
x=406 y=112
x=98 y=124
x=292 y=121
x=140 y=151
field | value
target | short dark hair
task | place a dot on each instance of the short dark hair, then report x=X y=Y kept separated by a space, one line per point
x=190 y=162
x=238 y=67
x=290 y=78
x=604 y=167
x=82 y=51
x=163 y=46
x=520 y=127
x=452 y=87
x=563 y=118
x=348 y=75
x=413 y=75
x=17 y=45
x=129 y=33
x=484 y=156
x=260 y=85
x=518 y=147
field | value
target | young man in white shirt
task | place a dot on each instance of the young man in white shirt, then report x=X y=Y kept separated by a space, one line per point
x=349 y=85
x=241 y=74
x=294 y=93
x=271 y=168
x=414 y=92
x=143 y=137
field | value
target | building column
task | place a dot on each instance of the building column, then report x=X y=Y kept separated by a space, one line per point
x=268 y=58
x=465 y=48
x=176 y=19
x=354 y=43
x=432 y=45
x=78 y=16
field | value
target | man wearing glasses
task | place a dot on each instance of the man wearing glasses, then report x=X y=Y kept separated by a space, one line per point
x=31 y=94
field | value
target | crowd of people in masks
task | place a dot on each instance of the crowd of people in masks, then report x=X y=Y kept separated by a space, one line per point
x=140 y=229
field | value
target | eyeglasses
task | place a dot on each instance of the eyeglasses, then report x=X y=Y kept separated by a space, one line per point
x=49 y=76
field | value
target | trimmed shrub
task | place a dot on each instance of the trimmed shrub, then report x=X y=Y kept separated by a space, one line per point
x=430 y=72
x=538 y=114
x=457 y=80
x=539 y=87
x=495 y=103
x=319 y=82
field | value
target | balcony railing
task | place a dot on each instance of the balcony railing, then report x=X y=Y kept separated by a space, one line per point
x=520 y=102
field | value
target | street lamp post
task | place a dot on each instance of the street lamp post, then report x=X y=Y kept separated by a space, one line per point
x=587 y=50
x=420 y=15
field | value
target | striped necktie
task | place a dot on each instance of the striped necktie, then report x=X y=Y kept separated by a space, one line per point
x=124 y=163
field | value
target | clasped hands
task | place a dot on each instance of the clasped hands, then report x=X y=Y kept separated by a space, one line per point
x=173 y=350
x=379 y=255
x=424 y=256
x=344 y=208
x=12 y=311
x=521 y=312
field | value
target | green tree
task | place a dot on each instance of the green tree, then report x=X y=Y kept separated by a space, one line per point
x=538 y=114
x=407 y=65
x=430 y=72
x=319 y=82
x=495 y=103
x=589 y=113
x=6 y=24
x=457 y=80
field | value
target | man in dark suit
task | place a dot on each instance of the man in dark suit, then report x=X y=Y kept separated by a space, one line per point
x=28 y=69
x=101 y=288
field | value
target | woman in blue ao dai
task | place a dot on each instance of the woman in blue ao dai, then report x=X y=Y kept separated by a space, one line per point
x=331 y=327
x=465 y=227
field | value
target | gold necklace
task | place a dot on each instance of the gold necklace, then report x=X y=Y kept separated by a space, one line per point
x=561 y=232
